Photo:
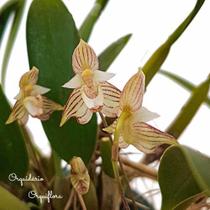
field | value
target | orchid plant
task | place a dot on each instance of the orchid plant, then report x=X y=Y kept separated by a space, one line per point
x=89 y=122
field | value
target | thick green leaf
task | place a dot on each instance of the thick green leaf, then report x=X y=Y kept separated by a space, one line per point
x=5 y=12
x=89 y=22
x=189 y=109
x=13 y=154
x=112 y=51
x=51 y=39
x=158 y=57
x=19 y=8
x=183 y=174
x=183 y=82
x=10 y=202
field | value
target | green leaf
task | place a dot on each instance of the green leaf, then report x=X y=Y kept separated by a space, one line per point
x=183 y=174
x=189 y=109
x=106 y=155
x=158 y=57
x=13 y=154
x=51 y=39
x=5 y=12
x=183 y=82
x=112 y=51
x=89 y=22
x=19 y=8
x=10 y=202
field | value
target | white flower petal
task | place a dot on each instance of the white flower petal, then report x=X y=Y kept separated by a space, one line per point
x=75 y=82
x=29 y=78
x=132 y=94
x=39 y=90
x=144 y=115
x=101 y=76
x=84 y=57
x=93 y=104
x=111 y=100
x=33 y=105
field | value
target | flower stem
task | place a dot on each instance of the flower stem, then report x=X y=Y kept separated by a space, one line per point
x=82 y=203
x=32 y=153
x=115 y=165
x=70 y=200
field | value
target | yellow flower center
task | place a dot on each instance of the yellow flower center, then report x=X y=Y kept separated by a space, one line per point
x=87 y=77
x=127 y=109
x=27 y=90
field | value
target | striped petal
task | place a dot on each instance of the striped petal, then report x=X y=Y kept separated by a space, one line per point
x=48 y=107
x=75 y=82
x=84 y=57
x=41 y=107
x=29 y=78
x=18 y=113
x=111 y=99
x=146 y=138
x=75 y=107
x=101 y=76
x=95 y=103
x=132 y=94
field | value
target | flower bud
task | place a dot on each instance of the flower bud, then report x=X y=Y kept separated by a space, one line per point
x=79 y=177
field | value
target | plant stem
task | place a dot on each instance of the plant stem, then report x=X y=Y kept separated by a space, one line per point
x=127 y=183
x=82 y=203
x=141 y=167
x=57 y=164
x=33 y=155
x=115 y=167
x=70 y=200
x=138 y=204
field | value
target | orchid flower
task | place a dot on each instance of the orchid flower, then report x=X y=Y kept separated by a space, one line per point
x=91 y=91
x=79 y=176
x=30 y=100
x=131 y=127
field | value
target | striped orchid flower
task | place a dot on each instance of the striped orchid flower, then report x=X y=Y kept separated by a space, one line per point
x=30 y=100
x=79 y=176
x=131 y=127
x=92 y=93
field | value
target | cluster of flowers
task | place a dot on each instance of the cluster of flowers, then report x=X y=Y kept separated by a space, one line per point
x=92 y=93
